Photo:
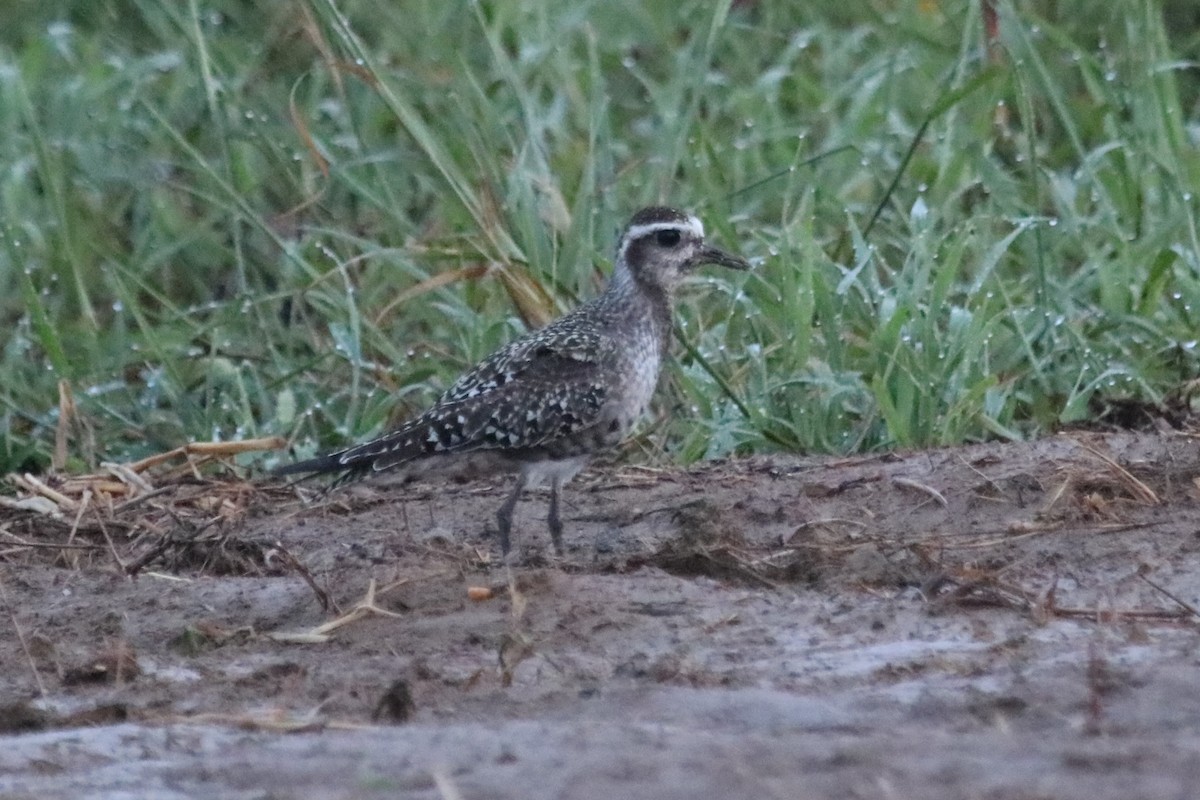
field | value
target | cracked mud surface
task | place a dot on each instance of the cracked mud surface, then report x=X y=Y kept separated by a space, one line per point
x=995 y=621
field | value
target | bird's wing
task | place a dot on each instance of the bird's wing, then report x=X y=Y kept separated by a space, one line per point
x=535 y=354
x=526 y=395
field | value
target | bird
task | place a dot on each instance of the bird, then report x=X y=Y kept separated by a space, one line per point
x=550 y=400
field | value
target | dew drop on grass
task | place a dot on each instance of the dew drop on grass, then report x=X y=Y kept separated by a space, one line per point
x=920 y=210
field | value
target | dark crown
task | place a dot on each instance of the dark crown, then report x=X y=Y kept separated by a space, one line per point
x=648 y=216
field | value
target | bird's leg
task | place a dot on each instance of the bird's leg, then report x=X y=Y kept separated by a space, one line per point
x=554 y=521
x=504 y=517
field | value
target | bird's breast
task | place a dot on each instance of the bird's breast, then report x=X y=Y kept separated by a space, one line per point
x=641 y=367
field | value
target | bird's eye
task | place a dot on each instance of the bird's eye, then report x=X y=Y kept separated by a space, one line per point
x=667 y=238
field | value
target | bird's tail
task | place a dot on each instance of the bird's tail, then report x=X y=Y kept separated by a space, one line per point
x=312 y=466
x=362 y=460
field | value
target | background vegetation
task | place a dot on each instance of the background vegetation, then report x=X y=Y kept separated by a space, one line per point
x=224 y=219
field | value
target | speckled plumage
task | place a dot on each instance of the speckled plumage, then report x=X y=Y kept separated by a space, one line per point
x=552 y=398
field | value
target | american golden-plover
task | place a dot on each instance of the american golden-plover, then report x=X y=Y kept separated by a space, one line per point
x=550 y=400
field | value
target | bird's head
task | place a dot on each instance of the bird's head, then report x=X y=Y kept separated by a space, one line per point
x=660 y=246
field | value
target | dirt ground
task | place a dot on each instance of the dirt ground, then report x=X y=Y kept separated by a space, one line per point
x=1000 y=621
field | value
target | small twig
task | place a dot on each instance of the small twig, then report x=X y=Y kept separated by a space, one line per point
x=992 y=591
x=84 y=502
x=981 y=592
x=153 y=552
x=20 y=543
x=35 y=504
x=1188 y=607
x=983 y=475
x=827 y=521
x=1097 y=678
x=1026 y=530
x=362 y=608
x=21 y=638
x=128 y=476
x=36 y=486
x=141 y=498
x=112 y=548
x=210 y=449
x=1139 y=489
x=162 y=576
x=99 y=484
x=909 y=483
x=294 y=563
x=1054 y=497
x=1145 y=614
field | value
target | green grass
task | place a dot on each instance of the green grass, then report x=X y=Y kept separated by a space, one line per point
x=219 y=221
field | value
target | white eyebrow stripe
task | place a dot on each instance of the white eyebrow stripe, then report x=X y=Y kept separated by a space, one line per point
x=692 y=223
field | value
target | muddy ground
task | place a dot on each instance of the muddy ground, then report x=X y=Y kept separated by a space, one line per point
x=997 y=621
